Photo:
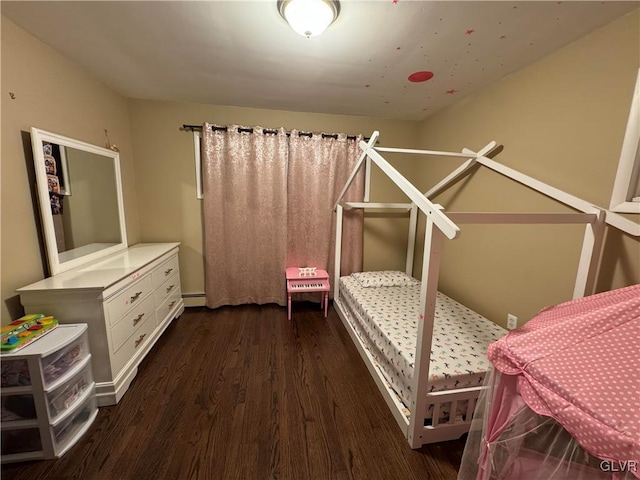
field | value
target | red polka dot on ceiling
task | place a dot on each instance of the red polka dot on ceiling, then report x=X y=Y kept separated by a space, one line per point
x=420 y=76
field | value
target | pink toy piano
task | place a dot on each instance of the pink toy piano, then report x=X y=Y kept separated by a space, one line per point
x=307 y=279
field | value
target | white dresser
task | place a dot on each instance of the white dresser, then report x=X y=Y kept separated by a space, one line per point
x=128 y=299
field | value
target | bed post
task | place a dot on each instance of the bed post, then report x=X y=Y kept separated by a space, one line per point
x=356 y=169
x=428 y=290
x=338 y=255
x=367 y=178
x=411 y=244
x=590 y=256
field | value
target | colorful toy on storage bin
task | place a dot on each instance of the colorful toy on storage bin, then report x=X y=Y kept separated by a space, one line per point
x=25 y=330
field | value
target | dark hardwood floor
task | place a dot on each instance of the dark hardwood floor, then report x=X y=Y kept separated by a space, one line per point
x=243 y=393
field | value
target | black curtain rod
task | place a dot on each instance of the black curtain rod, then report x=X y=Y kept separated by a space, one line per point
x=191 y=128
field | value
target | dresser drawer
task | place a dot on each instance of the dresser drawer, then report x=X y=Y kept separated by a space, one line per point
x=168 y=305
x=131 y=296
x=131 y=321
x=132 y=344
x=164 y=271
x=167 y=289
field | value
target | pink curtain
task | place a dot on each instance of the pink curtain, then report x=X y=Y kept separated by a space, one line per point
x=319 y=167
x=268 y=205
x=245 y=215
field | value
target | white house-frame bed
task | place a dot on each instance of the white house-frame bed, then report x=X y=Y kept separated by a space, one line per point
x=419 y=415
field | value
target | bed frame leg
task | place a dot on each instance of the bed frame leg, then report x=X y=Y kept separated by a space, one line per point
x=590 y=256
x=428 y=291
x=411 y=244
x=338 y=255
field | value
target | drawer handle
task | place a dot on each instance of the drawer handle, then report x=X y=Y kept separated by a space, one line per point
x=172 y=303
x=169 y=288
x=139 y=340
x=136 y=320
x=135 y=297
x=167 y=272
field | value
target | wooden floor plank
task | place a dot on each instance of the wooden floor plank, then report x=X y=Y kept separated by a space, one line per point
x=244 y=393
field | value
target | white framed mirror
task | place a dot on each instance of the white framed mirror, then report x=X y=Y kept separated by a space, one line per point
x=80 y=200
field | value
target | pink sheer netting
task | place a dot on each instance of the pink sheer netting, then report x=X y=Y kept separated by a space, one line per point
x=529 y=446
x=566 y=404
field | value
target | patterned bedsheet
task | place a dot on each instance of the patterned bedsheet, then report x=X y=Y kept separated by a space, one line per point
x=385 y=319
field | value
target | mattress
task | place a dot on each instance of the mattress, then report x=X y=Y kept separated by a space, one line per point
x=384 y=315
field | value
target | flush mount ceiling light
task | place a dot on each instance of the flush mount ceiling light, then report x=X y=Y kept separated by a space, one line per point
x=309 y=18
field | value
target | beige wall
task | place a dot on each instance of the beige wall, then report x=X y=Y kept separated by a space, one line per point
x=561 y=121
x=167 y=186
x=54 y=94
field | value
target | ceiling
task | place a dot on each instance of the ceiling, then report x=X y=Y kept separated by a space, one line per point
x=243 y=53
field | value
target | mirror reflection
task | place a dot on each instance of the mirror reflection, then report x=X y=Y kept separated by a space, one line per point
x=87 y=214
x=80 y=200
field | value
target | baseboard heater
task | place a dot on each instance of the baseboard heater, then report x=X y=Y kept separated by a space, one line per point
x=194 y=299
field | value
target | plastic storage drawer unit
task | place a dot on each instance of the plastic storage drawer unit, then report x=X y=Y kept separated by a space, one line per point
x=48 y=395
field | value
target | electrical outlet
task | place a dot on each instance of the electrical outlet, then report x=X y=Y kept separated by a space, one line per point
x=512 y=321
